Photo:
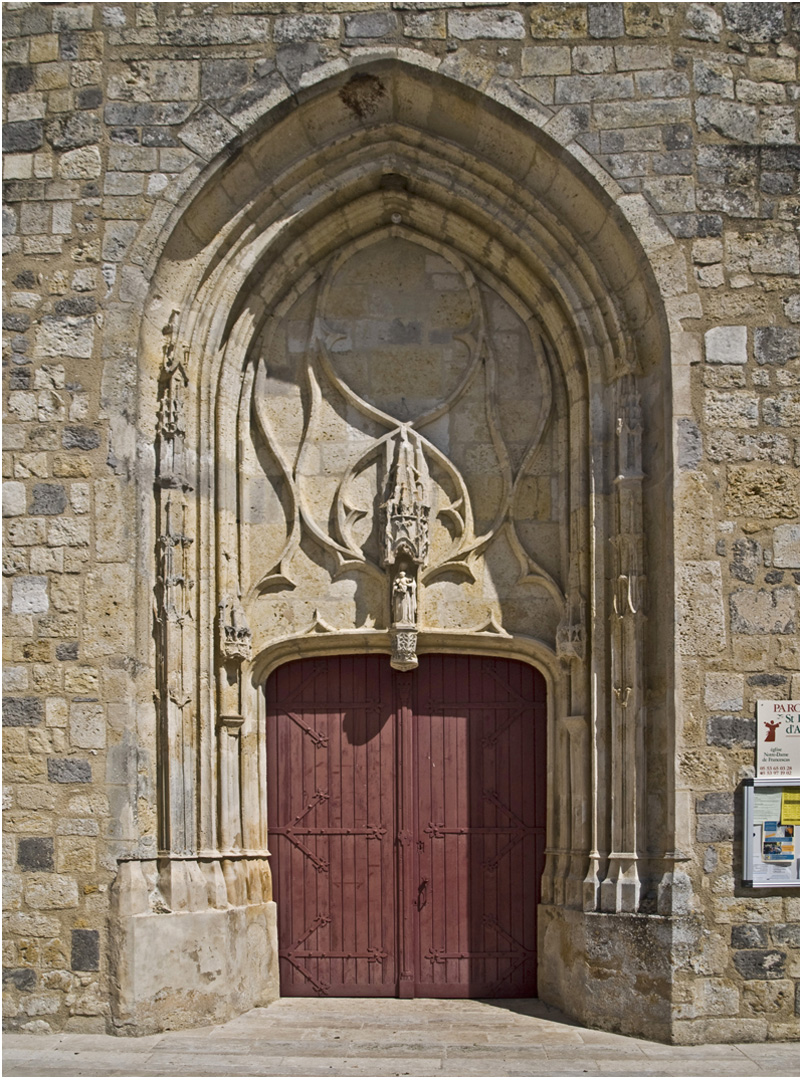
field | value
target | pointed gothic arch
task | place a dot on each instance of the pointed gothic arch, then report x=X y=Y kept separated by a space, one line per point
x=359 y=160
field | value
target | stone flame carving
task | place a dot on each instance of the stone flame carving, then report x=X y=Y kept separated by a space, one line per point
x=405 y=512
x=409 y=494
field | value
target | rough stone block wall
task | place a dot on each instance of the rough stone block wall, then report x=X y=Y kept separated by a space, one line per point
x=111 y=113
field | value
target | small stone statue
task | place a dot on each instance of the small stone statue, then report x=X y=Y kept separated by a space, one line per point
x=404 y=602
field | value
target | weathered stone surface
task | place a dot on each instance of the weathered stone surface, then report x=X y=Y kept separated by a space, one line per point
x=760 y=963
x=786 y=546
x=690 y=444
x=773 y=345
x=730 y=731
x=35 y=853
x=69 y=771
x=22 y=712
x=85 y=954
x=23 y=979
x=700 y=609
x=749 y=936
x=724 y=691
x=51 y=892
x=761 y=491
x=606 y=20
x=764 y=612
x=747 y=559
x=726 y=345
x=488 y=23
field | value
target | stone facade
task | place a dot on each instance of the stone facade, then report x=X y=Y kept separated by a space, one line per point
x=250 y=251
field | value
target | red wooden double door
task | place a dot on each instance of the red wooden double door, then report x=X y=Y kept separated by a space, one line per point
x=407 y=824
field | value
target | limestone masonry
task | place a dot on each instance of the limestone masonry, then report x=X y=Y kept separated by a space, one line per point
x=495 y=306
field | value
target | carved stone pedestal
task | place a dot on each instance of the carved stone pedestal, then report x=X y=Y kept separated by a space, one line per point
x=404 y=641
x=192 y=940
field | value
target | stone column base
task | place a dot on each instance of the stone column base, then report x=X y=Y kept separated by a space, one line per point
x=186 y=968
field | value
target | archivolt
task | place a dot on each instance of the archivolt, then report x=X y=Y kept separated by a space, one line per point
x=516 y=207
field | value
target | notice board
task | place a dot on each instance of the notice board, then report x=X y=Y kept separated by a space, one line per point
x=771 y=857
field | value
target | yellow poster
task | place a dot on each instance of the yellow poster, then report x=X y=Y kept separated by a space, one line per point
x=790 y=806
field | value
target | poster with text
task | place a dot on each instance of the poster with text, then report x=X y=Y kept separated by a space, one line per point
x=778 y=739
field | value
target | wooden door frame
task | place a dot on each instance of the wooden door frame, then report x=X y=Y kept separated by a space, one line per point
x=482 y=646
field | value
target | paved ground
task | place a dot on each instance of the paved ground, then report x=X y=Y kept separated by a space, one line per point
x=359 y=1037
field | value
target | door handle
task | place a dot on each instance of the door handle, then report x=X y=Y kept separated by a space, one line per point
x=421 y=899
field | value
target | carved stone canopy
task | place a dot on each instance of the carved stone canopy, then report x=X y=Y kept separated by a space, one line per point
x=405 y=511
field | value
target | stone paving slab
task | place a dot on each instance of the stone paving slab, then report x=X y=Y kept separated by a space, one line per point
x=386 y=1037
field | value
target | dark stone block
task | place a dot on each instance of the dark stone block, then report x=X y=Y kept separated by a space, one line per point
x=17 y=322
x=373 y=24
x=223 y=78
x=21 y=978
x=34 y=21
x=677 y=136
x=767 y=680
x=19 y=79
x=126 y=136
x=19 y=345
x=774 y=577
x=730 y=731
x=717 y=802
x=68 y=47
x=22 y=712
x=606 y=20
x=125 y=114
x=91 y=190
x=77 y=129
x=91 y=97
x=80 y=438
x=786 y=934
x=23 y=190
x=293 y=60
x=715 y=828
x=48 y=499
x=773 y=183
x=687 y=226
x=726 y=166
x=775 y=345
x=749 y=936
x=69 y=771
x=76 y=305
x=251 y=95
x=20 y=379
x=756 y=22
x=158 y=137
x=781 y=158
x=746 y=559
x=676 y=163
x=35 y=853
x=67 y=650
x=85 y=953
x=22 y=135
x=26 y=279
x=760 y=964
